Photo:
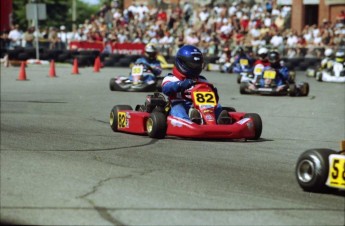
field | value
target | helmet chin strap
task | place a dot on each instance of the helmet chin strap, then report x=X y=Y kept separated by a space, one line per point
x=178 y=74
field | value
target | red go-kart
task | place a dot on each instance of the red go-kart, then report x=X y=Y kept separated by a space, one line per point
x=153 y=118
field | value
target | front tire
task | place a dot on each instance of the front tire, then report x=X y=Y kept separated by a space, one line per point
x=239 y=77
x=312 y=169
x=156 y=125
x=112 y=84
x=243 y=88
x=257 y=124
x=319 y=76
x=114 y=115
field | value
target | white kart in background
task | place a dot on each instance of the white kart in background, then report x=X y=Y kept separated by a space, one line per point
x=335 y=74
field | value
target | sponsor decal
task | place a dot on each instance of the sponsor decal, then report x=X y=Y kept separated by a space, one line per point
x=176 y=123
x=243 y=121
x=209 y=117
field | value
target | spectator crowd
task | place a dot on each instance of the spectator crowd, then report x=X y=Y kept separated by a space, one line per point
x=210 y=27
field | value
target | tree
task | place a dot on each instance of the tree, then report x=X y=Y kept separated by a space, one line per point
x=58 y=13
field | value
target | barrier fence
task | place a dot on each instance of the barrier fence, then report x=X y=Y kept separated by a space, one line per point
x=122 y=54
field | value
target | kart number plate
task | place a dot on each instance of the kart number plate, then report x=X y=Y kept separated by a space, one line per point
x=122 y=121
x=244 y=62
x=270 y=74
x=258 y=70
x=329 y=64
x=137 y=70
x=336 y=176
x=208 y=98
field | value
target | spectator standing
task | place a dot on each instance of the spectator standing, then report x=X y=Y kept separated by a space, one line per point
x=28 y=37
x=53 y=38
x=15 y=37
x=62 y=35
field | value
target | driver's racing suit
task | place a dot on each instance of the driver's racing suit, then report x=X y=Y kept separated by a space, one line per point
x=173 y=86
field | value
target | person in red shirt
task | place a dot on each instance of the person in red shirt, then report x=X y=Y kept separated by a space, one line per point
x=162 y=15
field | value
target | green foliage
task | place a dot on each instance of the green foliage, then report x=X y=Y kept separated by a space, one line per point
x=58 y=13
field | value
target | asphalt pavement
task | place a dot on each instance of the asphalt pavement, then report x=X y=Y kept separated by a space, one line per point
x=61 y=164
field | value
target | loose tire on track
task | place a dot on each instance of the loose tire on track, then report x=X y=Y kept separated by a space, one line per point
x=257 y=124
x=113 y=115
x=156 y=125
x=312 y=169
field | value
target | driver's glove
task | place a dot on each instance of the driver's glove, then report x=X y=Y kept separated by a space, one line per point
x=185 y=84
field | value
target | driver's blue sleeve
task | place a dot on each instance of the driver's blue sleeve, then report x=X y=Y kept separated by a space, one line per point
x=284 y=71
x=156 y=68
x=174 y=87
x=237 y=68
x=171 y=87
x=141 y=60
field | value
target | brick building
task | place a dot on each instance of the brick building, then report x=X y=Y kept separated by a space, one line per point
x=309 y=12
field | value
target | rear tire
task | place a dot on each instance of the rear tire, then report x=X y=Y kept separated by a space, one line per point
x=292 y=90
x=159 y=84
x=257 y=124
x=156 y=125
x=312 y=169
x=305 y=89
x=114 y=115
x=229 y=109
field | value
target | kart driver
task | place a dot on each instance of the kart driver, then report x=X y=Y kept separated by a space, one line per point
x=189 y=62
x=243 y=62
x=282 y=72
x=327 y=62
x=152 y=67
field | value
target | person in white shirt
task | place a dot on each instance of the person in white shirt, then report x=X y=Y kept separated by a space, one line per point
x=277 y=40
x=15 y=37
x=62 y=35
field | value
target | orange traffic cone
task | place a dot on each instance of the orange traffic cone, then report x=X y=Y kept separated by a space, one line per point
x=97 y=64
x=52 y=72
x=22 y=73
x=75 y=69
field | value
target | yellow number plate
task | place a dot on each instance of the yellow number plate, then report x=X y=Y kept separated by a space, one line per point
x=244 y=62
x=258 y=70
x=270 y=74
x=137 y=70
x=329 y=64
x=205 y=98
x=122 y=120
x=336 y=176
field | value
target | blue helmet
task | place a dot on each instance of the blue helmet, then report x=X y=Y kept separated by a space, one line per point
x=189 y=61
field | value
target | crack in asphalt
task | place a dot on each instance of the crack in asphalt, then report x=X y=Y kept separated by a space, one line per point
x=103 y=211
